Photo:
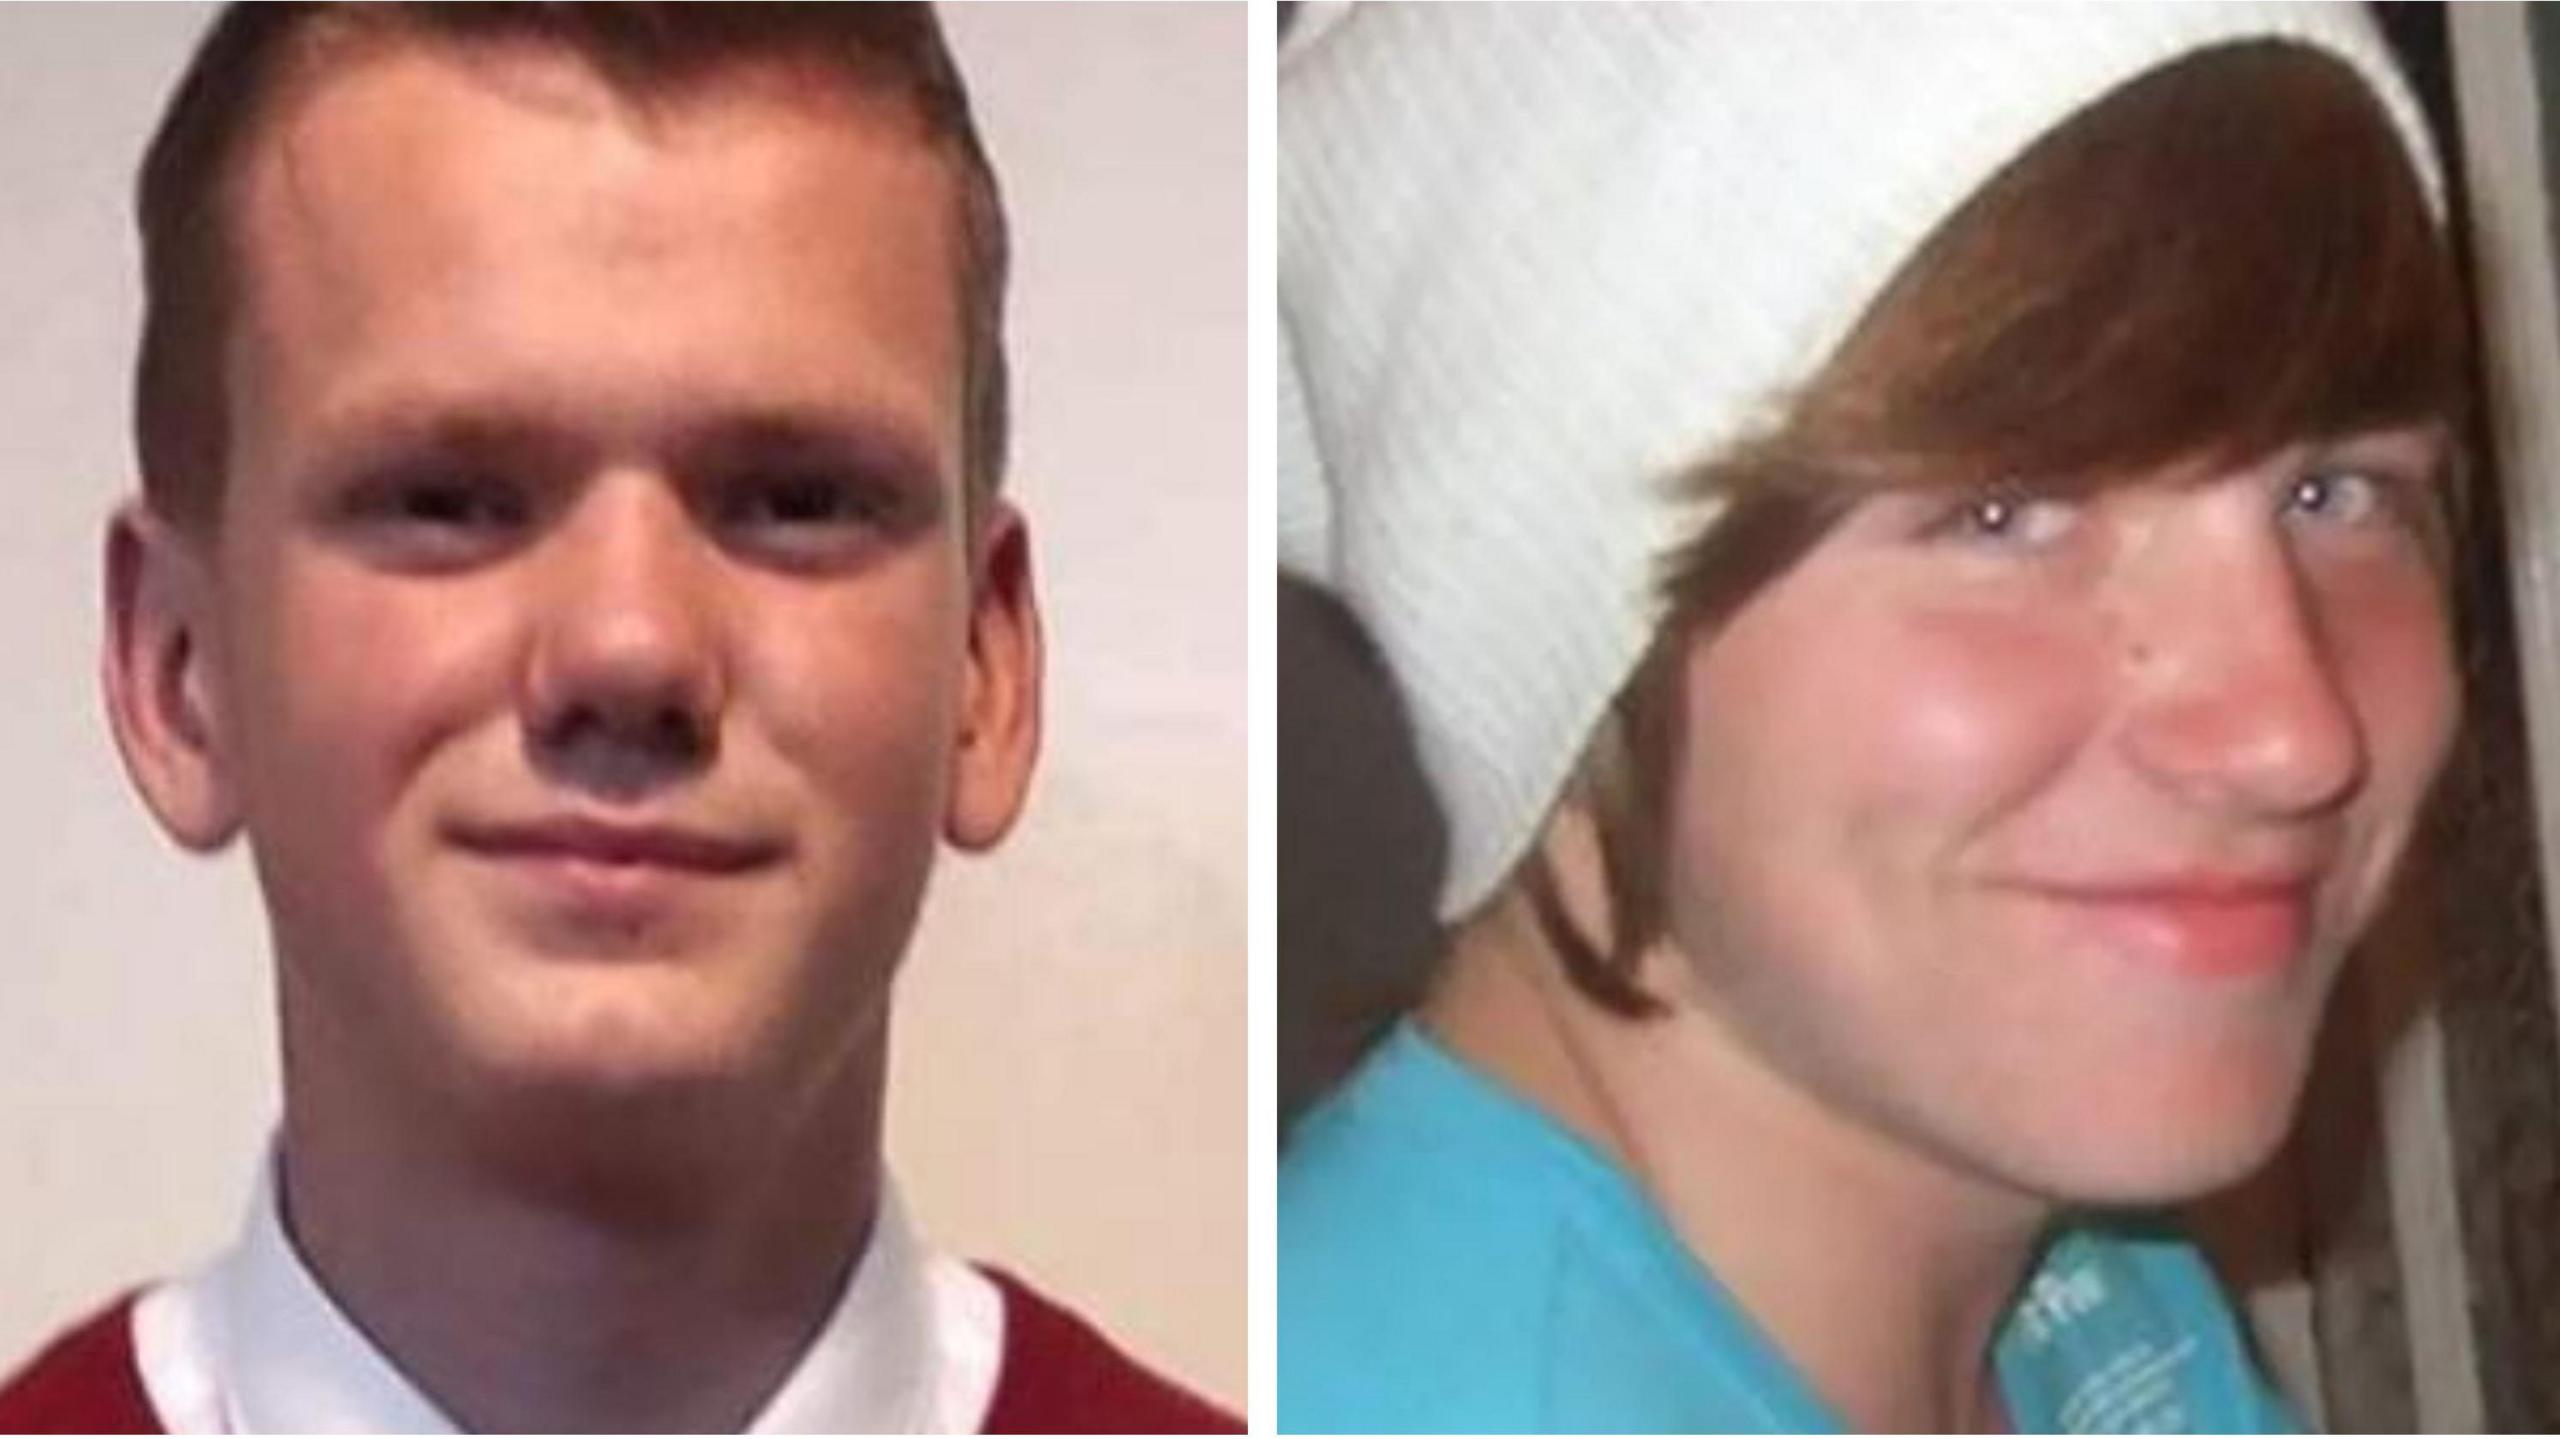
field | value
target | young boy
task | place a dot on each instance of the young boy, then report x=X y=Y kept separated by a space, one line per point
x=572 y=553
x=1933 y=642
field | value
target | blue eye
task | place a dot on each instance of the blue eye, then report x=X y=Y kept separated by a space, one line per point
x=2338 y=495
x=2006 y=516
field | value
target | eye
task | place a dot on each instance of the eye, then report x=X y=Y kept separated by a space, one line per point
x=802 y=498
x=435 y=518
x=2340 y=495
x=2006 y=516
x=452 y=503
x=806 y=516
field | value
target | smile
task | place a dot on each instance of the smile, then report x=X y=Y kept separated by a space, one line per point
x=587 y=843
x=2205 y=927
x=613 y=873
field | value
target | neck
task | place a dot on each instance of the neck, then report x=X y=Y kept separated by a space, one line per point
x=1880 y=1272
x=603 y=1275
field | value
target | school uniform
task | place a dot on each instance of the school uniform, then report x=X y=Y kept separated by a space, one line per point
x=917 y=1343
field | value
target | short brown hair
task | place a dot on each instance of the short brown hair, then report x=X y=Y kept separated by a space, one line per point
x=2221 y=257
x=645 y=51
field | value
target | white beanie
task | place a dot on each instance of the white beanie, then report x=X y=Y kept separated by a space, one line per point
x=1537 y=259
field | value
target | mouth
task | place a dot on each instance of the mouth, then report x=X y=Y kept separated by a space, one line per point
x=609 y=845
x=2212 y=926
x=614 y=872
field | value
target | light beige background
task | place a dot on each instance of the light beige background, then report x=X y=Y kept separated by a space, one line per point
x=1070 y=1086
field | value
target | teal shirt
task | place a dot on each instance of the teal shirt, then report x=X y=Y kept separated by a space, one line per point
x=1451 y=1260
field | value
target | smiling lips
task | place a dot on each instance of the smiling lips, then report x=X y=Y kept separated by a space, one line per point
x=606 y=843
x=614 y=869
x=2210 y=926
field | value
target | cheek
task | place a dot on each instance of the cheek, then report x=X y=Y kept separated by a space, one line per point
x=854 y=714
x=1885 y=734
x=1972 y=712
x=852 y=717
x=1845 y=755
x=2390 y=646
x=358 y=685
x=860 y=696
x=1847 y=752
x=2390 y=637
x=357 y=690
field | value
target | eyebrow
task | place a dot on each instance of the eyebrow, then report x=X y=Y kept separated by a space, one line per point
x=879 y=443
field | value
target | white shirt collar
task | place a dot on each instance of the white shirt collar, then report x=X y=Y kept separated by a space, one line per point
x=253 y=1345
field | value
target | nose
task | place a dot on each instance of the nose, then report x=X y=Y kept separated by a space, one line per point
x=2239 y=704
x=623 y=686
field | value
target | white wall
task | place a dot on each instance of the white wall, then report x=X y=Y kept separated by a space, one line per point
x=1070 y=1089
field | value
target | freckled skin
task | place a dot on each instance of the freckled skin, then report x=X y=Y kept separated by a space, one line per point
x=1882 y=745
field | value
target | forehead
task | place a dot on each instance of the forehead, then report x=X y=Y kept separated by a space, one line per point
x=426 y=219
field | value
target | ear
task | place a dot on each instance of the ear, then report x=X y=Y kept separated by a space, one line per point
x=999 y=738
x=161 y=696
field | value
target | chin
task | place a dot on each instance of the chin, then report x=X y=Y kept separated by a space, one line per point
x=627 y=1036
x=731 y=1034
x=617 y=1098
x=533 y=1001
x=2153 y=1148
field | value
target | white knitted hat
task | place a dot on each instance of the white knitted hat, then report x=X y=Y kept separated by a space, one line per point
x=1537 y=258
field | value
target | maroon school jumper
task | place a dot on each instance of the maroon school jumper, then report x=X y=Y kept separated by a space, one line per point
x=1059 y=1375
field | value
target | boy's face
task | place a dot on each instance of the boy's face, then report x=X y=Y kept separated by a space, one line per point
x=2032 y=833
x=591 y=646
